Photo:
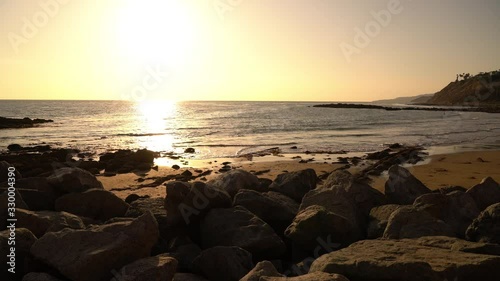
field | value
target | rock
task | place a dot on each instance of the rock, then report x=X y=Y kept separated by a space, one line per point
x=175 y=167
x=14 y=147
x=188 y=202
x=4 y=170
x=24 y=239
x=224 y=263
x=67 y=180
x=39 y=276
x=239 y=227
x=409 y=222
x=379 y=216
x=91 y=254
x=154 y=205
x=407 y=260
x=402 y=187
x=19 y=200
x=272 y=207
x=316 y=276
x=126 y=161
x=456 y=244
x=131 y=198
x=485 y=193
x=157 y=268
x=40 y=222
x=450 y=189
x=21 y=123
x=456 y=209
x=189 y=150
x=188 y=277
x=486 y=227
x=295 y=185
x=185 y=255
x=94 y=203
x=262 y=269
x=234 y=180
x=36 y=192
x=316 y=222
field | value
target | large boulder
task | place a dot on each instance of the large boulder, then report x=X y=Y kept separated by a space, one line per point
x=402 y=187
x=157 y=268
x=40 y=222
x=486 y=227
x=94 y=203
x=239 y=227
x=272 y=207
x=262 y=269
x=23 y=240
x=67 y=180
x=456 y=209
x=223 y=263
x=155 y=205
x=5 y=204
x=485 y=193
x=4 y=171
x=36 y=192
x=407 y=260
x=409 y=222
x=316 y=222
x=379 y=216
x=296 y=184
x=236 y=180
x=188 y=202
x=456 y=244
x=316 y=276
x=92 y=254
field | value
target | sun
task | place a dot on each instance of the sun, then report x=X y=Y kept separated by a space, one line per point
x=156 y=31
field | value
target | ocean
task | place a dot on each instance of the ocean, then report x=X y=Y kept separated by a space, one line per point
x=228 y=129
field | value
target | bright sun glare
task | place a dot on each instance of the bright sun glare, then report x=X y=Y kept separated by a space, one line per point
x=156 y=30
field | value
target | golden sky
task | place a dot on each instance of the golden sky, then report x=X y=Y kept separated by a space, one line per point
x=308 y=50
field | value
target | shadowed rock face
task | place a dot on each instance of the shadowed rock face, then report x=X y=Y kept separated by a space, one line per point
x=407 y=260
x=236 y=180
x=157 y=268
x=295 y=185
x=486 y=193
x=262 y=269
x=486 y=227
x=402 y=187
x=15 y=123
x=223 y=263
x=91 y=254
x=67 y=180
x=316 y=276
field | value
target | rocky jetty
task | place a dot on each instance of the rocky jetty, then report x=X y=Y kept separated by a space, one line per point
x=298 y=227
x=16 y=123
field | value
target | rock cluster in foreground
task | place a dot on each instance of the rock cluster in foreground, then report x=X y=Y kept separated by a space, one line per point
x=234 y=228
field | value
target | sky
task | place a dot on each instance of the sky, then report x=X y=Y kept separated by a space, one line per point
x=290 y=50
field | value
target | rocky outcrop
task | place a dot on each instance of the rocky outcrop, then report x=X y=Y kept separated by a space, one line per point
x=40 y=222
x=316 y=276
x=378 y=218
x=17 y=123
x=409 y=222
x=224 y=263
x=239 y=227
x=272 y=207
x=485 y=193
x=295 y=185
x=407 y=260
x=67 y=180
x=157 y=268
x=126 y=161
x=262 y=269
x=189 y=202
x=93 y=203
x=236 y=180
x=486 y=227
x=402 y=187
x=91 y=254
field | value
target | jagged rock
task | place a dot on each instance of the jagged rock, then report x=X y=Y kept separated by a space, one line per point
x=316 y=276
x=40 y=222
x=239 y=227
x=407 y=260
x=39 y=276
x=402 y=187
x=156 y=206
x=456 y=209
x=450 y=189
x=295 y=185
x=157 y=268
x=409 y=222
x=188 y=277
x=24 y=239
x=94 y=203
x=379 y=216
x=262 y=269
x=236 y=180
x=67 y=180
x=91 y=254
x=224 y=263
x=187 y=202
x=486 y=227
x=272 y=207
x=316 y=222
x=485 y=193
